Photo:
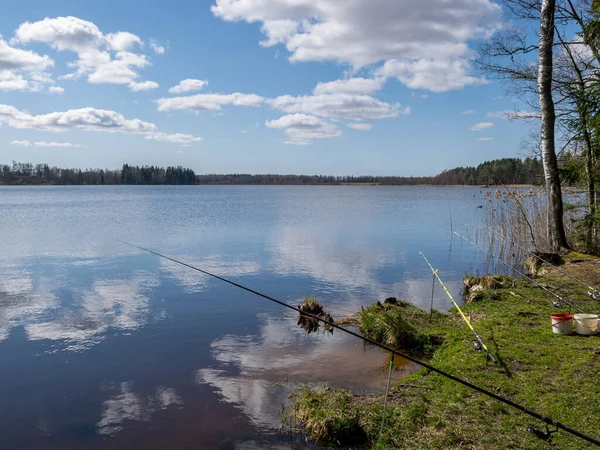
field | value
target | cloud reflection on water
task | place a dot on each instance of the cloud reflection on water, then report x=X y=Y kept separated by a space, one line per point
x=130 y=406
x=19 y=304
x=81 y=323
x=257 y=372
x=319 y=254
x=119 y=304
x=192 y=281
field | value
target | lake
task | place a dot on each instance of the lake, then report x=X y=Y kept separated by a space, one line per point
x=104 y=346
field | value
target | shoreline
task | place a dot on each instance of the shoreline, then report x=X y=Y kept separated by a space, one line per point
x=516 y=186
x=554 y=375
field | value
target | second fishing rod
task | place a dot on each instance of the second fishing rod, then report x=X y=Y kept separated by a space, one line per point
x=479 y=340
x=560 y=299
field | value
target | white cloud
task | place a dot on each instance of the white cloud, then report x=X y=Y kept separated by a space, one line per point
x=413 y=37
x=101 y=58
x=22 y=143
x=188 y=85
x=158 y=49
x=302 y=128
x=62 y=33
x=143 y=86
x=89 y=119
x=16 y=59
x=204 y=102
x=485 y=139
x=176 y=138
x=56 y=144
x=349 y=86
x=338 y=106
x=10 y=81
x=100 y=68
x=361 y=126
x=56 y=90
x=481 y=126
x=22 y=70
x=468 y=112
x=122 y=41
x=331 y=100
x=46 y=144
x=433 y=74
x=244 y=131
x=278 y=31
x=83 y=119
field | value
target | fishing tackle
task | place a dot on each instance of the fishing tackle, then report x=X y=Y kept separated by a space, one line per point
x=559 y=300
x=479 y=340
x=592 y=291
x=373 y=342
x=543 y=435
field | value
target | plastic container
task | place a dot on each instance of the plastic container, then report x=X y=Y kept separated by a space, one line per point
x=562 y=323
x=586 y=324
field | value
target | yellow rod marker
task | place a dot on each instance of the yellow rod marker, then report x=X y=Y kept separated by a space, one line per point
x=458 y=308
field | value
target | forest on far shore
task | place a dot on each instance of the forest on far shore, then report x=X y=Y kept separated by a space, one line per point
x=500 y=171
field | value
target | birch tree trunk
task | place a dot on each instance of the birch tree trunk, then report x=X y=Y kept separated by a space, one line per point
x=554 y=228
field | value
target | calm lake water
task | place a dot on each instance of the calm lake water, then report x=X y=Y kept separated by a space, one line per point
x=103 y=346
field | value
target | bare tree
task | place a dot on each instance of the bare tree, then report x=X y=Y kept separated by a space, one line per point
x=555 y=228
x=510 y=56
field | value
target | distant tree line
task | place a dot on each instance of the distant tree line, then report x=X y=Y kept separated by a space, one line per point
x=500 y=171
x=156 y=175
x=27 y=173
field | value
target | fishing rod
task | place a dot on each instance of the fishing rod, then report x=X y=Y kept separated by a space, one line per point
x=481 y=343
x=523 y=409
x=592 y=291
x=560 y=299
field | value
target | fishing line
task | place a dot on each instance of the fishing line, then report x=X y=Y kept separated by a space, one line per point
x=481 y=343
x=560 y=299
x=468 y=384
x=592 y=292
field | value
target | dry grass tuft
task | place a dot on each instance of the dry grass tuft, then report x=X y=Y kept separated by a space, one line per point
x=312 y=306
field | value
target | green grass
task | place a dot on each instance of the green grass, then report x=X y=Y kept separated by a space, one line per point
x=404 y=327
x=555 y=375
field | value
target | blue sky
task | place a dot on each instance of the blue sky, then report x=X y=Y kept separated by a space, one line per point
x=253 y=86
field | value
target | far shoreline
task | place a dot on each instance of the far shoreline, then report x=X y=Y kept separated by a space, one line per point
x=491 y=186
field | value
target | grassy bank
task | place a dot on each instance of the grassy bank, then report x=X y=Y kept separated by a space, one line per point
x=555 y=375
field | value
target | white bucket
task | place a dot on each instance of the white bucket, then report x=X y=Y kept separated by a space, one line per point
x=562 y=323
x=586 y=323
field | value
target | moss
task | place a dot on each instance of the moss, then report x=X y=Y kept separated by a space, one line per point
x=554 y=375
